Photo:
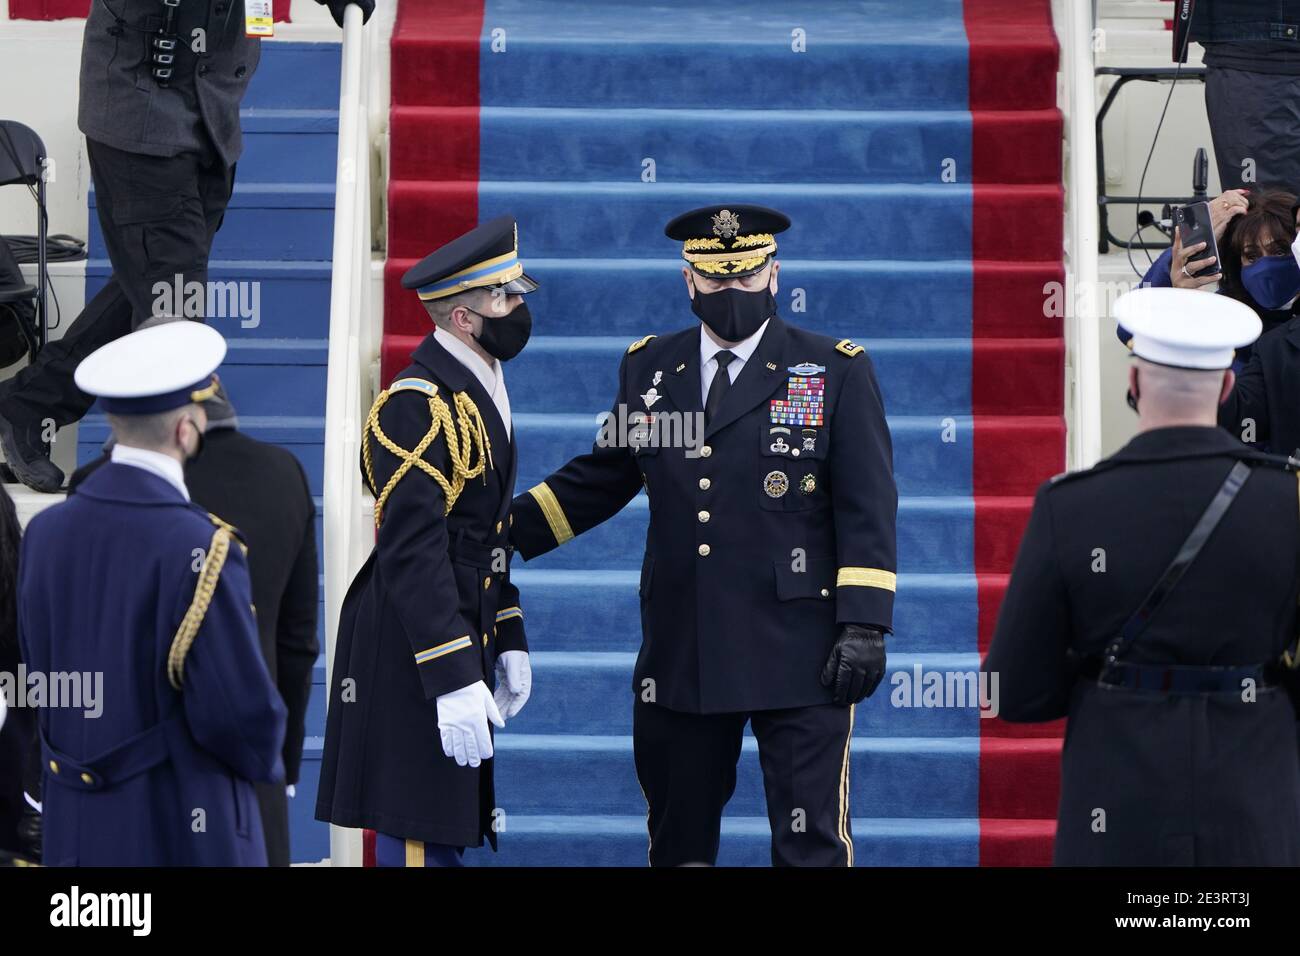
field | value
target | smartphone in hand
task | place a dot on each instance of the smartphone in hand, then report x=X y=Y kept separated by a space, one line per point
x=1193 y=223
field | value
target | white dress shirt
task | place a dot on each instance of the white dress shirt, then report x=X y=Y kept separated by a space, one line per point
x=709 y=365
x=491 y=376
x=164 y=466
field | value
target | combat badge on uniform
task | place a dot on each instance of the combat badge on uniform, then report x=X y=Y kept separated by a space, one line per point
x=776 y=484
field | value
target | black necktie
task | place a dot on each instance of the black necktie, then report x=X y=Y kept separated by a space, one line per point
x=720 y=385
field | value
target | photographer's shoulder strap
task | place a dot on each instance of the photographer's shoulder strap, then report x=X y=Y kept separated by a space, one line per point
x=1201 y=532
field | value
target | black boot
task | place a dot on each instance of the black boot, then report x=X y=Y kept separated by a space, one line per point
x=26 y=454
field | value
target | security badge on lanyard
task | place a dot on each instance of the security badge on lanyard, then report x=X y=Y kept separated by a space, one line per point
x=259 y=18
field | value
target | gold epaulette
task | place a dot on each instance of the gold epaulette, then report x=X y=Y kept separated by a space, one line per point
x=847 y=347
x=464 y=437
x=639 y=344
x=204 y=588
x=230 y=529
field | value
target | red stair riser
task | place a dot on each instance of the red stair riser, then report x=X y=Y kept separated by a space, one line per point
x=1016 y=147
x=451 y=153
x=1017 y=376
x=1020 y=778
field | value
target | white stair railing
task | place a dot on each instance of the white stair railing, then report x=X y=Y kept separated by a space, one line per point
x=348 y=535
x=1077 y=99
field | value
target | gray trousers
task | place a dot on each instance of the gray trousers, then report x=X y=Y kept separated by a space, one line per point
x=1255 y=125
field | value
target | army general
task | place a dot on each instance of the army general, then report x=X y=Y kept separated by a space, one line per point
x=769 y=573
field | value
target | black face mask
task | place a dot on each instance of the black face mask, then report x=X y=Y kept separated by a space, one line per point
x=734 y=314
x=503 y=337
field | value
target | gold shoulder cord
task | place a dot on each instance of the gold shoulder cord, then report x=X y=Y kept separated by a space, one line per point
x=467 y=435
x=209 y=574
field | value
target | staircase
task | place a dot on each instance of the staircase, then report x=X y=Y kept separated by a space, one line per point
x=916 y=146
x=277 y=232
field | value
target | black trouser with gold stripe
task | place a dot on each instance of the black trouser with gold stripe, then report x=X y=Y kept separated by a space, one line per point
x=686 y=764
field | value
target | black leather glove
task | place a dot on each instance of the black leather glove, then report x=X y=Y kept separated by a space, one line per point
x=856 y=665
x=29 y=833
x=337 y=7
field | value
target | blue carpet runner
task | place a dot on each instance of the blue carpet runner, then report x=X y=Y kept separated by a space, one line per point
x=916 y=147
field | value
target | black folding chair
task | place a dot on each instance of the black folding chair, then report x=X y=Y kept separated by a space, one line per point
x=22 y=157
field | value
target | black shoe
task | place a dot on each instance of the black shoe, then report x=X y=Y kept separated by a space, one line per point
x=26 y=458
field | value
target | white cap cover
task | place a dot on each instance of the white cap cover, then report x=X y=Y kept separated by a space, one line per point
x=153 y=369
x=1186 y=328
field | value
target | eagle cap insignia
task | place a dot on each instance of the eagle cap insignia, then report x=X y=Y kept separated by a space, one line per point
x=726 y=224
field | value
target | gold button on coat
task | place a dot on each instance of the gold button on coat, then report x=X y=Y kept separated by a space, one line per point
x=704 y=484
x=703 y=516
x=704 y=551
x=706 y=451
x=487 y=583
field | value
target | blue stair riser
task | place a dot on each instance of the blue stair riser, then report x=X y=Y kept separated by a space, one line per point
x=300 y=76
x=310 y=838
x=936 y=778
x=272 y=301
x=276 y=222
x=746 y=841
x=282 y=146
x=933 y=614
x=626 y=219
x=306 y=442
x=935 y=535
x=593 y=694
x=822 y=146
x=630 y=298
x=874 y=55
x=560 y=374
x=601 y=610
x=554 y=710
x=275 y=389
x=924 y=462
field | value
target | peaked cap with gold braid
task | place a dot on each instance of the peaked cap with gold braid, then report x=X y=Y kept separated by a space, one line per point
x=723 y=242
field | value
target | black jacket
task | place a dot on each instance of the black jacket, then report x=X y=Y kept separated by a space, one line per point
x=1179 y=779
x=1264 y=407
x=121 y=103
x=764 y=537
x=427 y=614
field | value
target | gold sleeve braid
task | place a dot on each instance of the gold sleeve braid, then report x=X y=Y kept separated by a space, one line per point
x=206 y=586
x=465 y=436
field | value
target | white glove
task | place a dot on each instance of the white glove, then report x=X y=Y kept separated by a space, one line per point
x=514 y=682
x=463 y=717
x=291 y=791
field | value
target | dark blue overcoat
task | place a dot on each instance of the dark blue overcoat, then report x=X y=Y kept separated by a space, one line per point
x=160 y=777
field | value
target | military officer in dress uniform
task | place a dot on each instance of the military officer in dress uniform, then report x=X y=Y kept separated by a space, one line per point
x=769 y=573
x=129 y=579
x=1164 y=630
x=432 y=617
